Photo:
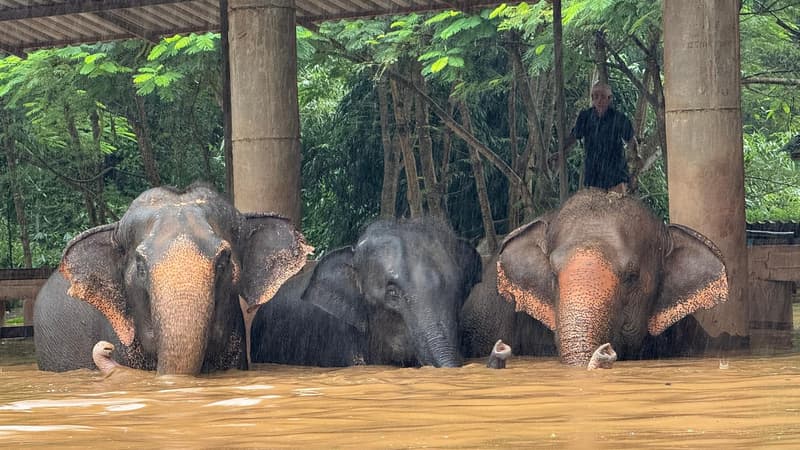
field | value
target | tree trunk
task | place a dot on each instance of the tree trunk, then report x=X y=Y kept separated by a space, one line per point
x=535 y=154
x=514 y=194
x=660 y=112
x=99 y=183
x=480 y=184
x=558 y=62
x=459 y=131
x=409 y=161
x=444 y=173
x=433 y=197
x=84 y=173
x=600 y=58
x=225 y=104
x=654 y=98
x=390 y=160
x=16 y=194
x=141 y=129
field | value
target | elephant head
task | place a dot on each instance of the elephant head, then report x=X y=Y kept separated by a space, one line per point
x=402 y=285
x=167 y=276
x=603 y=268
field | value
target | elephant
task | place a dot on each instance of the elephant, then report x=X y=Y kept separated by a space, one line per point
x=163 y=283
x=391 y=299
x=602 y=268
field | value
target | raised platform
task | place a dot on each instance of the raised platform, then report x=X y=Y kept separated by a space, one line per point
x=774 y=269
x=21 y=284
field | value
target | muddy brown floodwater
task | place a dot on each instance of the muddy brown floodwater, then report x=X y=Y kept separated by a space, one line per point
x=534 y=403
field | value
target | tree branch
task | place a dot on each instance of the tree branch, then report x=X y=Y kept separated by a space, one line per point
x=771 y=80
x=459 y=131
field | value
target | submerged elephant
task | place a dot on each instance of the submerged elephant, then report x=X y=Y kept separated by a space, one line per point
x=162 y=284
x=393 y=298
x=601 y=269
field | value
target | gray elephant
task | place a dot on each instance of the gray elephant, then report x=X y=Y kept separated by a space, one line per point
x=601 y=269
x=393 y=298
x=163 y=284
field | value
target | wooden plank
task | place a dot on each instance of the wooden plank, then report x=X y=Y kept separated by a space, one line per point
x=16 y=332
x=20 y=289
x=770 y=315
x=26 y=274
x=774 y=262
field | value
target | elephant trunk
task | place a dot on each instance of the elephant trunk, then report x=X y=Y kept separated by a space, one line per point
x=587 y=285
x=439 y=347
x=182 y=308
x=183 y=323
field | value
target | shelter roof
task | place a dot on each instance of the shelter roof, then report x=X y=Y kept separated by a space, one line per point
x=31 y=24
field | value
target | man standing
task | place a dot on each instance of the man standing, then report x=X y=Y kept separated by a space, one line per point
x=603 y=130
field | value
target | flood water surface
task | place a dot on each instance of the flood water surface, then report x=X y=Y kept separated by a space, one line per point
x=534 y=403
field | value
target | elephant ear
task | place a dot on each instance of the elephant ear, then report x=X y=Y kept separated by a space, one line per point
x=91 y=264
x=524 y=275
x=334 y=288
x=272 y=251
x=694 y=277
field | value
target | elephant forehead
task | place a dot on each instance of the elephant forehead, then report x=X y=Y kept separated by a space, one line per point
x=164 y=229
x=182 y=266
x=186 y=213
x=587 y=276
x=383 y=253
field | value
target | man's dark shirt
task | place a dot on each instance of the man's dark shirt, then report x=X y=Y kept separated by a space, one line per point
x=605 y=164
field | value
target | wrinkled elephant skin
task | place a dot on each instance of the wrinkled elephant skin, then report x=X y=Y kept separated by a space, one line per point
x=163 y=284
x=603 y=268
x=393 y=298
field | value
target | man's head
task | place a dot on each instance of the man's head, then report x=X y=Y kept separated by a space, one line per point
x=601 y=98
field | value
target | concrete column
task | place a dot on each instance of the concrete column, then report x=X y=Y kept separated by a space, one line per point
x=266 y=122
x=704 y=140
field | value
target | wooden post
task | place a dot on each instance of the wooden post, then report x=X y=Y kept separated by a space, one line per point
x=226 y=96
x=264 y=110
x=704 y=140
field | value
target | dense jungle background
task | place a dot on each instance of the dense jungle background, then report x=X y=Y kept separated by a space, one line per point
x=460 y=104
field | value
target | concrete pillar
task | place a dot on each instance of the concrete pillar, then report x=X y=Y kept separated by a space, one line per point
x=265 y=119
x=704 y=140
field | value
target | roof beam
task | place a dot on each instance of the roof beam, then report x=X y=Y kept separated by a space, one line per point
x=75 y=7
x=408 y=8
x=12 y=50
x=126 y=25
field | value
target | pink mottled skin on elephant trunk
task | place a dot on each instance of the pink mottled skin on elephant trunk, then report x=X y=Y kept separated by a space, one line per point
x=183 y=304
x=101 y=355
x=587 y=285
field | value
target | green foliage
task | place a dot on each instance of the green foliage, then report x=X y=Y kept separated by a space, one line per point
x=342 y=164
x=772 y=182
x=53 y=98
x=151 y=78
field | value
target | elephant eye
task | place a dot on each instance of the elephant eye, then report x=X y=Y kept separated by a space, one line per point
x=631 y=277
x=223 y=260
x=393 y=291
